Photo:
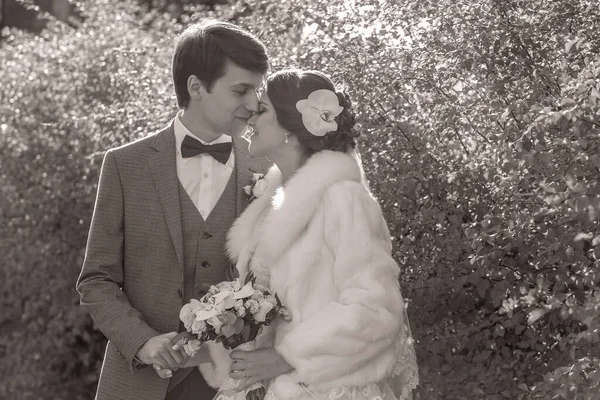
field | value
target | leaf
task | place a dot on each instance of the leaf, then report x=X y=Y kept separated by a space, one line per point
x=249 y=277
x=594 y=95
x=595 y=378
x=523 y=387
x=527 y=143
x=583 y=236
x=499 y=331
x=482 y=287
x=458 y=86
x=481 y=357
x=536 y=314
x=570 y=43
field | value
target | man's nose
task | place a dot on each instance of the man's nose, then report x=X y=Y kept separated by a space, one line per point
x=252 y=103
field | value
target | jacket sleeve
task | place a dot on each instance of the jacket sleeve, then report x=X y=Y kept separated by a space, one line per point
x=101 y=278
x=351 y=341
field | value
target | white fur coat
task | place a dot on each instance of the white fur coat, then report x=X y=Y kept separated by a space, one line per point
x=322 y=245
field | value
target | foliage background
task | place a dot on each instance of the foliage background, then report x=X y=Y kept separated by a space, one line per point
x=481 y=124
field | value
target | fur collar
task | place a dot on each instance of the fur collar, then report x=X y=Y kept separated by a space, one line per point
x=286 y=211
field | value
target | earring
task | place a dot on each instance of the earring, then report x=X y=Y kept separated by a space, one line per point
x=287 y=137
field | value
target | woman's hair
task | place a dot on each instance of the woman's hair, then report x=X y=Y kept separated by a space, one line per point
x=286 y=88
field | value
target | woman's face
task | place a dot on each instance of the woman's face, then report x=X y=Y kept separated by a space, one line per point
x=266 y=135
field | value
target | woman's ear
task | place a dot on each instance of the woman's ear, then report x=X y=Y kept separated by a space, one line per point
x=196 y=88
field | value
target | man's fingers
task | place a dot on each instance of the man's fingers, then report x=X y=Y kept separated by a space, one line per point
x=159 y=361
x=178 y=341
x=183 y=354
x=239 y=354
x=171 y=363
x=177 y=356
x=160 y=370
x=178 y=346
x=173 y=357
x=237 y=375
x=179 y=337
x=163 y=373
x=239 y=364
x=170 y=335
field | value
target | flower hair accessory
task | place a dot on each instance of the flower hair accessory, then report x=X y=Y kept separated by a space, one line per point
x=319 y=112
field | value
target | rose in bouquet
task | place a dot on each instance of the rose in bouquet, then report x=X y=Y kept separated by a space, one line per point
x=233 y=314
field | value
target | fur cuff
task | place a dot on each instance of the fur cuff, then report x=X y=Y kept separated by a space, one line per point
x=217 y=371
x=286 y=386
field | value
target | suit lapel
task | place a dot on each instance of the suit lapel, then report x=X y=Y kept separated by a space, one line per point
x=163 y=167
x=243 y=172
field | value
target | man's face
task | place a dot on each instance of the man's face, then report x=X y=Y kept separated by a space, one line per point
x=231 y=101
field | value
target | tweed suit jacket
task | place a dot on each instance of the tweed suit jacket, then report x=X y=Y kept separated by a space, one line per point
x=132 y=274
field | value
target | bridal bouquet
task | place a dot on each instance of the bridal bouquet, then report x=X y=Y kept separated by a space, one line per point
x=231 y=313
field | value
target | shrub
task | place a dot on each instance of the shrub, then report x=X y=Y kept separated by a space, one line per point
x=65 y=97
x=481 y=140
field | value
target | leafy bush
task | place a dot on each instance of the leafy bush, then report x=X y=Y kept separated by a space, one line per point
x=480 y=124
x=65 y=97
x=482 y=144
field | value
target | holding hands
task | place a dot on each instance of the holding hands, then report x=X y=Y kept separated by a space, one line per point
x=159 y=350
x=166 y=354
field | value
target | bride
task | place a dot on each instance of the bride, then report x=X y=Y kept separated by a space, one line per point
x=315 y=235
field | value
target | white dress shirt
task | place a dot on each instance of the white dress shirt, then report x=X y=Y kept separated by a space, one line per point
x=203 y=178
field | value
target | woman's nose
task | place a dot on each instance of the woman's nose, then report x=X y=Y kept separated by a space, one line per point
x=252 y=119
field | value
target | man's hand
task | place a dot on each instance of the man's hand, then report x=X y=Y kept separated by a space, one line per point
x=159 y=350
x=201 y=357
x=163 y=373
x=256 y=366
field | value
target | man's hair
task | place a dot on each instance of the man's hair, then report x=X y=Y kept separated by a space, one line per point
x=203 y=49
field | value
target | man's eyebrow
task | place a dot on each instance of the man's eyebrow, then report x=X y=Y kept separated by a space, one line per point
x=246 y=85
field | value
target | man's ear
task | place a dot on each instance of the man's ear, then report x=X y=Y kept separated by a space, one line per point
x=196 y=88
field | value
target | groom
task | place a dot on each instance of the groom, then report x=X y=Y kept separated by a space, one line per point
x=163 y=209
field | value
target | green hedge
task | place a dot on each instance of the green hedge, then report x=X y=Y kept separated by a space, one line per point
x=481 y=140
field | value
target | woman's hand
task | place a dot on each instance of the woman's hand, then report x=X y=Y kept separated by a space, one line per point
x=258 y=365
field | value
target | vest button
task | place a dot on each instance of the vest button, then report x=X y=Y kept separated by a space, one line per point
x=205 y=264
x=180 y=293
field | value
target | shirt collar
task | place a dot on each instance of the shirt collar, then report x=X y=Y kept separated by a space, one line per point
x=181 y=132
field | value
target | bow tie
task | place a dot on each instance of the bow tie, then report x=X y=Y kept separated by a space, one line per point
x=191 y=147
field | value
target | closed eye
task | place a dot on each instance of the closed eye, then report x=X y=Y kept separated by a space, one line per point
x=262 y=107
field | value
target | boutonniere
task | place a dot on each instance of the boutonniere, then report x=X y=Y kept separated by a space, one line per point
x=257 y=187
